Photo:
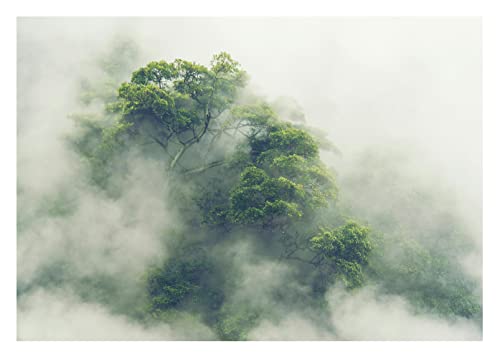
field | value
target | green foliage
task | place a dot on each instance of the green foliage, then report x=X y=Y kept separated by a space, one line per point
x=344 y=251
x=239 y=171
x=292 y=141
x=430 y=280
x=234 y=322
x=260 y=197
x=285 y=178
x=281 y=177
x=177 y=281
x=256 y=115
x=178 y=100
x=282 y=139
x=419 y=242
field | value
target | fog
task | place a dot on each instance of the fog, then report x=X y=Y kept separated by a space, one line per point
x=405 y=90
x=367 y=316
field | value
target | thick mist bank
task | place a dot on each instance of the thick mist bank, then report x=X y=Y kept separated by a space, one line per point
x=399 y=98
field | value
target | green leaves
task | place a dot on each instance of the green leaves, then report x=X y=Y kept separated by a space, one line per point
x=293 y=141
x=344 y=250
x=235 y=321
x=261 y=197
x=273 y=189
x=348 y=242
x=166 y=112
x=254 y=116
x=429 y=279
x=178 y=280
x=157 y=73
x=228 y=71
x=286 y=179
x=176 y=103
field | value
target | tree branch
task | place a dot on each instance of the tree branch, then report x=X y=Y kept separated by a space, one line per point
x=204 y=167
x=158 y=141
x=178 y=156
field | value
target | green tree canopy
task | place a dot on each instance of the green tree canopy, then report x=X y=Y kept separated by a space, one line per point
x=240 y=170
x=174 y=104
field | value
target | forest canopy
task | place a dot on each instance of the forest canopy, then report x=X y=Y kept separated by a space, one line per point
x=245 y=177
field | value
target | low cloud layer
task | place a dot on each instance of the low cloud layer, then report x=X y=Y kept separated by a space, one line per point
x=60 y=315
x=100 y=234
x=367 y=315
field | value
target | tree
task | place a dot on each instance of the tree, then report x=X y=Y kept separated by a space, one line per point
x=249 y=188
x=343 y=251
x=272 y=183
x=176 y=104
x=282 y=177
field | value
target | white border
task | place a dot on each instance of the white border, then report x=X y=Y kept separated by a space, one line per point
x=251 y=8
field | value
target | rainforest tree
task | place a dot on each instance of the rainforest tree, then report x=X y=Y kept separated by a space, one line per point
x=238 y=172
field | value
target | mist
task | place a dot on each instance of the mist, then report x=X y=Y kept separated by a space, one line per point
x=400 y=98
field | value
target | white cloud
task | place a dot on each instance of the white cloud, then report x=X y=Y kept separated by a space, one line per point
x=369 y=315
x=58 y=315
